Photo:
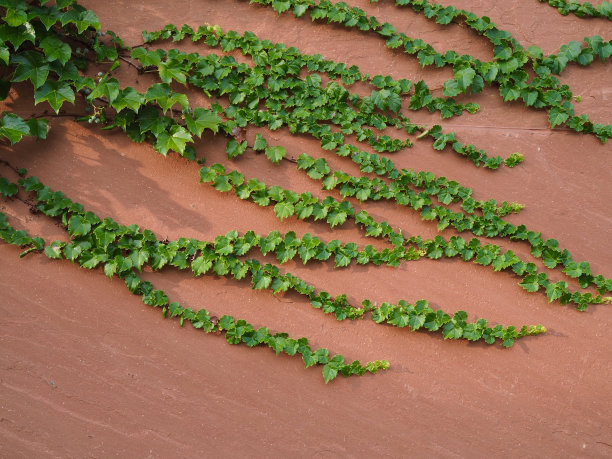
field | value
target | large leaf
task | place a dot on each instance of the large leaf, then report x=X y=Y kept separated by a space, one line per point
x=202 y=119
x=55 y=49
x=17 y=35
x=175 y=140
x=54 y=92
x=31 y=65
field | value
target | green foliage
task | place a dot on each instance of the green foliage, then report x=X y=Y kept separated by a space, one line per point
x=284 y=88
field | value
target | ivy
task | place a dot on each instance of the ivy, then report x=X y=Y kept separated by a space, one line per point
x=284 y=88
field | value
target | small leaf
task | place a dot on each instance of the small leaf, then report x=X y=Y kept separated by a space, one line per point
x=276 y=153
x=329 y=373
x=260 y=143
x=38 y=128
x=13 y=127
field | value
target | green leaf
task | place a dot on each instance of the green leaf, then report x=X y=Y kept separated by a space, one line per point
x=260 y=143
x=554 y=291
x=16 y=16
x=7 y=189
x=201 y=265
x=54 y=92
x=106 y=88
x=535 y=51
x=276 y=153
x=128 y=98
x=4 y=54
x=530 y=97
x=17 y=35
x=81 y=18
x=38 y=128
x=54 y=250
x=31 y=65
x=329 y=373
x=465 y=77
x=202 y=119
x=451 y=88
x=55 y=49
x=281 y=6
x=175 y=140
x=530 y=283
x=166 y=99
x=13 y=127
x=284 y=209
x=557 y=116
x=172 y=70
x=78 y=225
x=235 y=148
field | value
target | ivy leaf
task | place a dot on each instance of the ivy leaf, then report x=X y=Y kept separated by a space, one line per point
x=535 y=52
x=31 y=65
x=174 y=140
x=78 y=226
x=554 y=291
x=106 y=88
x=276 y=153
x=299 y=10
x=530 y=283
x=310 y=358
x=7 y=188
x=54 y=92
x=557 y=116
x=284 y=209
x=16 y=16
x=128 y=98
x=451 y=88
x=13 y=127
x=148 y=58
x=161 y=93
x=464 y=78
x=281 y=6
x=201 y=265
x=81 y=18
x=17 y=35
x=54 y=250
x=38 y=128
x=4 y=54
x=529 y=97
x=235 y=148
x=55 y=49
x=202 y=119
x=416 y=321
x=260 y=143
x=336 y=218
x=172 y=70
x=329 y=373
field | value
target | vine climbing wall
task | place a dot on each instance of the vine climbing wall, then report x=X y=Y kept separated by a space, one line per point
x=205 y=209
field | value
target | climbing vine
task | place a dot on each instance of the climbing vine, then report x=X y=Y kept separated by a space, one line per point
x=52 y=48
